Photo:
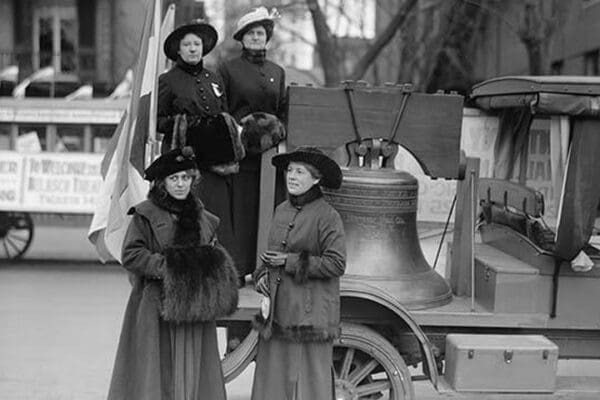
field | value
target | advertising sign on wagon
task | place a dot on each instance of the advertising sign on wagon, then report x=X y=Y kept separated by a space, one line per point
x=49 y=182
x=10 y=180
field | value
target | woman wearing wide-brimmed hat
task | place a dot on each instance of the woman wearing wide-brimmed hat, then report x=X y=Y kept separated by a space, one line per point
x=300 y=274
x=183 y=280
x=255 y=89
x=192 y=104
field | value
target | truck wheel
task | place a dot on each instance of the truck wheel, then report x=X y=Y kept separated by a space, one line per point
x=368 y=367
x=16 y=234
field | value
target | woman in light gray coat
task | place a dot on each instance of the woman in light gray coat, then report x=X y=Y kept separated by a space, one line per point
x=300 y=274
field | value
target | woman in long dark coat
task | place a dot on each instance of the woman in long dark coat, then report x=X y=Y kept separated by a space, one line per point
x=183 y=279
x=255 y=91
x=300 y=275
x=192 y=110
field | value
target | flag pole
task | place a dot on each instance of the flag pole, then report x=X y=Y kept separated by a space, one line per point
x=153 y=144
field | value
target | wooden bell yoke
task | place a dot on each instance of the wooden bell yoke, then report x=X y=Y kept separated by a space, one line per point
x=372 y=121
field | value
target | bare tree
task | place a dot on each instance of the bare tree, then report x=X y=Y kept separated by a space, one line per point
x=328 y=45
x=540 y=19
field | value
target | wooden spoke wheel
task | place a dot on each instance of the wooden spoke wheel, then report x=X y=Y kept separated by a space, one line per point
x=368 y=367
x=16 y=234
x=235 y=361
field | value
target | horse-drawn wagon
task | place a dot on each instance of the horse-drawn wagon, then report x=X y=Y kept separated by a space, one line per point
x=50 y=156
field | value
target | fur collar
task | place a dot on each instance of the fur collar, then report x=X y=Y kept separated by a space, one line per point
x=186 y=212
x=310 y=195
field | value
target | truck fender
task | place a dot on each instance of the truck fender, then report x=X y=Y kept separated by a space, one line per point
x=365 y=291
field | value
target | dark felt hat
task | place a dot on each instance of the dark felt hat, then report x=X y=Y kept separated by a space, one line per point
x=203 y=30
x=332 y=174
x=180 y=159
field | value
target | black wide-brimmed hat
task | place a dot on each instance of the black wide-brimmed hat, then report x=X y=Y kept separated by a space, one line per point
x=203 y=30
x=329 y=169
x=180 y=159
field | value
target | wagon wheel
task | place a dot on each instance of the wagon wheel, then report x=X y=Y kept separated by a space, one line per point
x=367 y=366
x=237 y=360
x=16 y=234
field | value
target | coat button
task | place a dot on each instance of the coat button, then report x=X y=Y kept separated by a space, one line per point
x=206 y=108
x=291 y=225
x=203 y=97
x=284 y=242
x=206 y=75
x=278 y=279
x=201 y=89
x=198 y=80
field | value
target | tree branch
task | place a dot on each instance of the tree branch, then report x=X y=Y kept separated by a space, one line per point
x=325 y=44
x=382 y=40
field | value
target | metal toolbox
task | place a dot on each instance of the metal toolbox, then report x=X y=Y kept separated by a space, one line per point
x=501 y=363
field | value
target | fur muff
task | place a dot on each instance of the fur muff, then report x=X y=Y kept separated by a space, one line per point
x=299 y=270
x=179 y=131
x=200 y=283
x=215 y=140
x=261 y=131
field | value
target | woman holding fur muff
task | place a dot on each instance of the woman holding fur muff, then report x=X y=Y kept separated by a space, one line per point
x=255 y=91
x=299 y=277
x=183 y=280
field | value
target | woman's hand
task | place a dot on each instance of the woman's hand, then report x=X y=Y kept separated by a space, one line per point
x=262 y=286
x=274 y=258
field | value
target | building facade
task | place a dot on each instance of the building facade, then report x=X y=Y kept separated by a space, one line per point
x=85 y=41
x=572 y=49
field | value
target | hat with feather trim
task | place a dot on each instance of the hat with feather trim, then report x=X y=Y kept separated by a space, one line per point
x=199 y=27
x=329 y=169
x=179 y=159
x=258 y=16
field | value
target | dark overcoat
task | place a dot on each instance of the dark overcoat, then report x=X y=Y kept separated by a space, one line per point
x=200 y=95
x=305 y=302
x=144 y=359
x=191 y=90
x=249 y=87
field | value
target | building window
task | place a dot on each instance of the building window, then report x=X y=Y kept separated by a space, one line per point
x=590 y=63
x=557 y=67
x=55 y=33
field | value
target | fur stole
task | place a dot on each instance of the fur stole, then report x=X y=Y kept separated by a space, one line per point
x=200 y=281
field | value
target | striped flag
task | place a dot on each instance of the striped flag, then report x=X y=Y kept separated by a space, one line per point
x=133 y=143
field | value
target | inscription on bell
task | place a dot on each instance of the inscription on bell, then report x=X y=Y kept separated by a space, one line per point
x=379 y=212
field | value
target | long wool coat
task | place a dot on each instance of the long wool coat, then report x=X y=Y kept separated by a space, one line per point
x=146 y=361
x=305 y=303
x=249 y=87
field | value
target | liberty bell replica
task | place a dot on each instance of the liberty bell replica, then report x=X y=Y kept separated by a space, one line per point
x=378 y=204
